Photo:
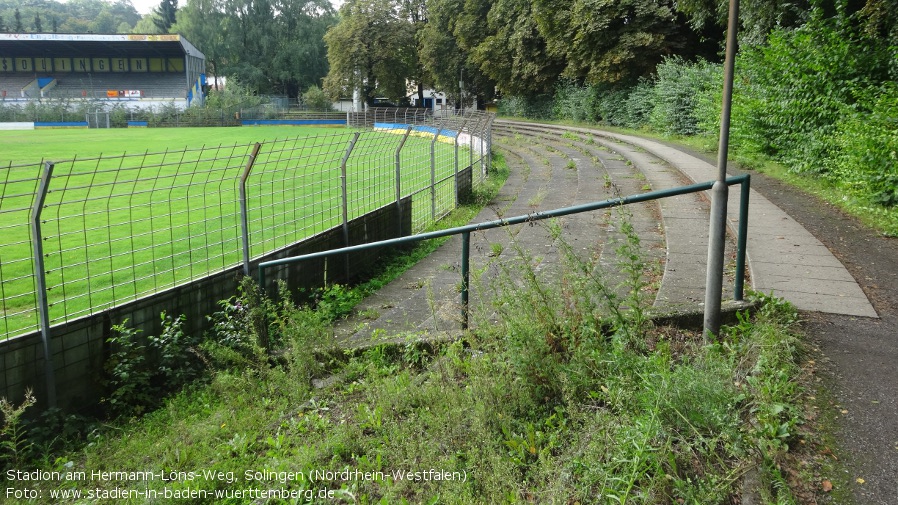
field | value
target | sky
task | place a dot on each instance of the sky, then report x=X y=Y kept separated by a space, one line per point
x=146 y=6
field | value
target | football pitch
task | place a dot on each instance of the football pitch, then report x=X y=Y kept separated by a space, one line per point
x=132 y=212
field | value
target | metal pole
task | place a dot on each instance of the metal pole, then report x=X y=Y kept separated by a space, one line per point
x=244 y=210
x=408 y=131
x=745 y=187
x=489 y=145
x=457 y=134
x=717 y=228
x=433 y=176
x=345 y=194
x=465 y=276
x=41 y=280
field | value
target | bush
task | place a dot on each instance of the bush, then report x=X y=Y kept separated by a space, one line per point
x=866 y=145
x=678 y=87
x=794 y=91
x=539 y=107
x=316 y=99
x=574 y=102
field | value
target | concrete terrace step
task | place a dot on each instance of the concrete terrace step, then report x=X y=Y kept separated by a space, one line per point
x=544 y=175
x=548 y=170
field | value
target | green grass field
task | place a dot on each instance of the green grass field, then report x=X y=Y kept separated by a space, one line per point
x=19 y=147
x=117 y=227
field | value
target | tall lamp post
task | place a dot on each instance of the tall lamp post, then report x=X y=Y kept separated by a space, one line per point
x=719 y=192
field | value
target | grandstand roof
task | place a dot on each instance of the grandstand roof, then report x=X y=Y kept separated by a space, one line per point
x=88 y=44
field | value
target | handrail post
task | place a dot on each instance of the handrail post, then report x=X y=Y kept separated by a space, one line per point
x=41 y=281
x=244 y=209
x=345 y=193
x=742 y=238
x=465 y=276
x=408 y=132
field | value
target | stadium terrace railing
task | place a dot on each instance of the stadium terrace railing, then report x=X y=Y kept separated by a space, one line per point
x=85 y=235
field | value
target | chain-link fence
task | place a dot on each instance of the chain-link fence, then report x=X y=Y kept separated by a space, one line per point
x=84 y=235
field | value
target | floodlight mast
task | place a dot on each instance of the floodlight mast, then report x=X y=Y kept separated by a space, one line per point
x=719 y=192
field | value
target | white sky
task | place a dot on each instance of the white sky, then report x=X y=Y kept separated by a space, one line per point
x=147 y=6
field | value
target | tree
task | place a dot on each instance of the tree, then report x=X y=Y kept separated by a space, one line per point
x=609 y=41
x=148 y=25
x=415 y=12
x=166 y=15
x=73 y=16
x=756 y=17
x=367 y=50
x=270 y=46
x=104 y=23
x=202 y=22
x=514 y=54
x=454 y=28
x=17 y=27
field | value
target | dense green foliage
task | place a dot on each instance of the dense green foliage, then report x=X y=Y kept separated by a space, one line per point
x=513 y=47
x=371 y=49
x=82 y=16
x=269 y=46
x=819 y=98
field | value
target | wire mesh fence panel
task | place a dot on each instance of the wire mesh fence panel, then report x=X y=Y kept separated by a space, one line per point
x=17 y=284
x=118 y=228
x=415 y=177
x=371 y=178
x=294 y=190
x=443 y=183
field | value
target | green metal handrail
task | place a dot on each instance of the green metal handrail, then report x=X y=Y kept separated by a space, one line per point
x=465 y=231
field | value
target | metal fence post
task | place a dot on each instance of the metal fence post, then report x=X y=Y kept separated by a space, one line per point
x=457 y=134
x=482 y=146
x=433 y=176
x=471 y=148
x=489 y=143
x=41 y=281
x=344 y=189
x=408 y=132
x=244 y=209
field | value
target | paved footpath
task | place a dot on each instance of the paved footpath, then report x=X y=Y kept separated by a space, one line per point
x=782 y=256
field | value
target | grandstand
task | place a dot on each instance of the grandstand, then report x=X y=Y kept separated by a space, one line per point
x=134 y=70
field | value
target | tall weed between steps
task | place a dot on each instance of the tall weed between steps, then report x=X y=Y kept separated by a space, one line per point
x=555 y=317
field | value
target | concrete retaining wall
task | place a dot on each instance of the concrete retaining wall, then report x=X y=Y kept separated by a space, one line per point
x=17 y=126
x=79 y=348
